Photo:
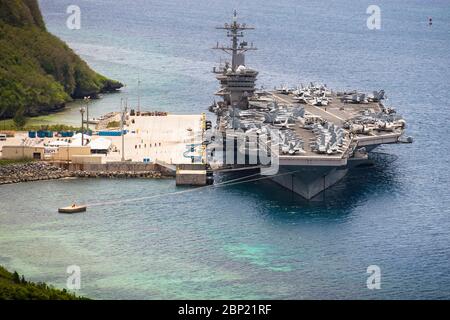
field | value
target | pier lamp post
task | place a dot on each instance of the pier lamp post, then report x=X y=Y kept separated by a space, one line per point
x=86 y=100
x=82 y=110
x=122 y=123
x=139 y=95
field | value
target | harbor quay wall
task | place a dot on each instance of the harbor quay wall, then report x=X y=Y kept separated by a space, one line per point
x=119 y=168
x=43 y=170
x=191 y=174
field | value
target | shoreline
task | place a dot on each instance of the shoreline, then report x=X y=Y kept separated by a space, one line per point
x=52 y=118
x=42 y=171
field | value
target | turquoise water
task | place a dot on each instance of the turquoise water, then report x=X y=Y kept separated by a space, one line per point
x=253 y=240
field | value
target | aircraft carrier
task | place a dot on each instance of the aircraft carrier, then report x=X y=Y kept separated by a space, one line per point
x=321 y=133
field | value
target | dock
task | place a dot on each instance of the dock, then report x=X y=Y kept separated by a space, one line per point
x=150 y=142
x=166 y=139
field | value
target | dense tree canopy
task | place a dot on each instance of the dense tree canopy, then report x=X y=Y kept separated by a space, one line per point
x=15 y=287
x=38 y=71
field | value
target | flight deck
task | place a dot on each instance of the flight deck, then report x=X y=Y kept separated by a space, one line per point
x=316 y=133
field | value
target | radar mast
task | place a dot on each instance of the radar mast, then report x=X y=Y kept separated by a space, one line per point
x=237 y=80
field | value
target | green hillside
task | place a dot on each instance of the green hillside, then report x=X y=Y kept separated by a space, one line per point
x=39 y=73
x=14 y=287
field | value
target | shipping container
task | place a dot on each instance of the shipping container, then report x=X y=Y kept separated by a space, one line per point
x=111 y=133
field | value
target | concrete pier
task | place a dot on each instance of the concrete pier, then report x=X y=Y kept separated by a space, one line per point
x=191 y=174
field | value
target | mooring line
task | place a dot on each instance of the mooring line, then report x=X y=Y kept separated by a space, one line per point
x=222 y=184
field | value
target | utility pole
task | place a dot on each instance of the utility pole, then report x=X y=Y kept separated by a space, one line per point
x=139 y=94
x=68 y=156
x=82 y=110
x=122 y=123
x=86 y=99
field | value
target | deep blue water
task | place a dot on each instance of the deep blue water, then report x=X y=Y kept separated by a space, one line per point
x=252 y=240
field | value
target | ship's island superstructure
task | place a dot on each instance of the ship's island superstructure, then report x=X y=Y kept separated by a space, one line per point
x=322 y=133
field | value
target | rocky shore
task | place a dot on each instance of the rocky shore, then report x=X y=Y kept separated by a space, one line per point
x=34 y=171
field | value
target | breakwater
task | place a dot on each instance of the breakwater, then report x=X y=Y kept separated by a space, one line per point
x=35 y=171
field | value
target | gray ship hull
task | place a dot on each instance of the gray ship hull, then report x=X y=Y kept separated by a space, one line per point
x=309 y=181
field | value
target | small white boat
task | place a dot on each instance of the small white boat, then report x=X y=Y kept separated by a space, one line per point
x=72 y=209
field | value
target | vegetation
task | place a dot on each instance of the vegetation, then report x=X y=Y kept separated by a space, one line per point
x=10 y=125
x=19 y=118
x=39 y=73
x=113 y=124
x=4 y=162
x=15 y=287
x=52 y=127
